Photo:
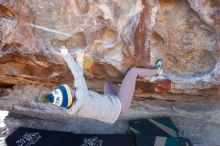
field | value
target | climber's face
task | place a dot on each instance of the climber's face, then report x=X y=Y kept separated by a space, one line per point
x=73 y=91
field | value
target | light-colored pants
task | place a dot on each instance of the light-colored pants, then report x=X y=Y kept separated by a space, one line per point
x=125 y=92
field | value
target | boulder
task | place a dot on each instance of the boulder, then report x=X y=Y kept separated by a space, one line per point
x=114 y=36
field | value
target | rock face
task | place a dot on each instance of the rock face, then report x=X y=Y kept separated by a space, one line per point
x=208 y=11
x=115 y=36
x=189 y=46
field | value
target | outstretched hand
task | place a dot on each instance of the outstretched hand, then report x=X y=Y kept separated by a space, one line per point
x=63 y=50
x=79 y=55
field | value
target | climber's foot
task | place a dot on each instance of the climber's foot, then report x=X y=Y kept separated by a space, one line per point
x=159 y=66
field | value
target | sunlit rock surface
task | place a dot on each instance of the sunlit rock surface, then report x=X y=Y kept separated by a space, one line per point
x=208 y=10
x=115 y=36
x=189 y=45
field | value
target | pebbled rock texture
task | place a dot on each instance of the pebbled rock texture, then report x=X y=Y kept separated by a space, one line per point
x=115 y=36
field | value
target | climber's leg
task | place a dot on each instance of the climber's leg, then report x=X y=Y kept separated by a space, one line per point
x=127 y=87
x=111 y=88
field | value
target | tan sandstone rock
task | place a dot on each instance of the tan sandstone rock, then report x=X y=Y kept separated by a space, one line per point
x=115 y=36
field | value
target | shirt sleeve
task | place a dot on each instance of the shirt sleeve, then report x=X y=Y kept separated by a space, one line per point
x=79 y=83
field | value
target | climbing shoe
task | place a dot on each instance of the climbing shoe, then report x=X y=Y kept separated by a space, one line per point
x=159 y=66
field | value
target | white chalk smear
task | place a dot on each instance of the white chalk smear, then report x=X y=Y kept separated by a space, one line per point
x=49 y=30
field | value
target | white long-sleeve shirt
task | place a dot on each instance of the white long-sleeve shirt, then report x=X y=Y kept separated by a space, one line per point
x=90 y=104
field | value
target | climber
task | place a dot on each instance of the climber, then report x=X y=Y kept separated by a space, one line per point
x=89 y=104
